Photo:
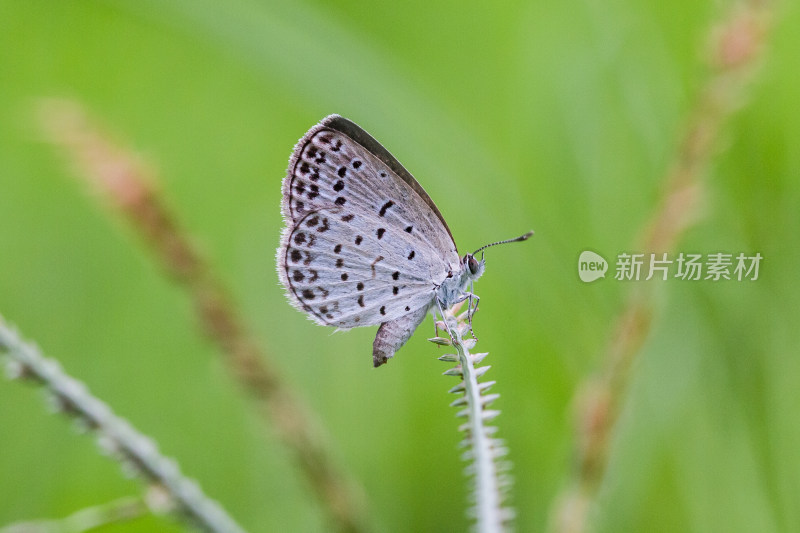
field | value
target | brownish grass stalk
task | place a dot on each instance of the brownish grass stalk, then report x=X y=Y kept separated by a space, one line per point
x=737 y=44
x=126 y=184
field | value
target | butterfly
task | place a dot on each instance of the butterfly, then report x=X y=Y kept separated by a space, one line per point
x=364 y=244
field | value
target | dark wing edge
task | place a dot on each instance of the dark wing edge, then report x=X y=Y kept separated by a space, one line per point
x=355 y=132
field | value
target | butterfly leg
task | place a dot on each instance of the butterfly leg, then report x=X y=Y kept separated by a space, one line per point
x=470 y=297
x=472 y=306
x=444 y=318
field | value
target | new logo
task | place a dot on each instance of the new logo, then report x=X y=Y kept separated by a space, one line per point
x=591 y=266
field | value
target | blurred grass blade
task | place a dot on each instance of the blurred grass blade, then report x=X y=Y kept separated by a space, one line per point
x=136 y=452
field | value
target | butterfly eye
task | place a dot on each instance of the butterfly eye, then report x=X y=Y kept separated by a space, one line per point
x=472 y=264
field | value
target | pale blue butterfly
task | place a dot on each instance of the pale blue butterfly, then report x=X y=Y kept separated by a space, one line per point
x=364 y=244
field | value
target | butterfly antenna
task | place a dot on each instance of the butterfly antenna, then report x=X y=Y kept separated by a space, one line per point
x=518 y=239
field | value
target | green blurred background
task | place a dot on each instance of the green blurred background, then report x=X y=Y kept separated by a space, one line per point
x=562 y=117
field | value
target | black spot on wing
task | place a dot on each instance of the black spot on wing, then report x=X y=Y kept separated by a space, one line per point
x=385 y=206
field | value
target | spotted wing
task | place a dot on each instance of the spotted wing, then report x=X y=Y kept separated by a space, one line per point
x=336 y=163
x=356 y=218
x=347 y=270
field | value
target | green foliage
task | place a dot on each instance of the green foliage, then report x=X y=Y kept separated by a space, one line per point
x=561 y=117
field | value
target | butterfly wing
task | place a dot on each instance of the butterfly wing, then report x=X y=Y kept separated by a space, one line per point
x=394 y=334
x=344 y=276
x=336 y=161
x=364 y=243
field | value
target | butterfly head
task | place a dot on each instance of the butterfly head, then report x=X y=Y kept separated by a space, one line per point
x=473 y=268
